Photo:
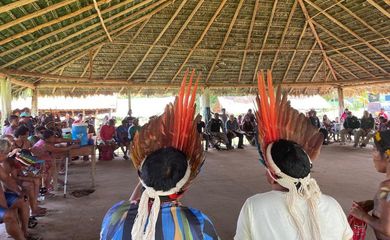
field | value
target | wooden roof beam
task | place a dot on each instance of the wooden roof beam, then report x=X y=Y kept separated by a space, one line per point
x=305 y=62
x=101 y=20
x=76 y=34
x=344 y=68
x=358 y=44
x=14 y=5
x=295 y=52
x=351 y=48
x=316 y=72
x=126 y=48
x=265 y=39
x=231 y=25
x=60 y=30
x=364 y=22
x=36 y=14
x=248 y=38
x=94 y=38
x=211 y=21
x=314 y=31
x=173 y=42
x=380 y=9
x=326 y=9
x=165 y=28
x=284 y=32
x=337 y=22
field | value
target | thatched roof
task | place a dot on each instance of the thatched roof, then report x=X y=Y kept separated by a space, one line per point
x=78 y=47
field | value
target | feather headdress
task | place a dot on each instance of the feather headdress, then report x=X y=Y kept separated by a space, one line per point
x=177 y=128
x=278 y=120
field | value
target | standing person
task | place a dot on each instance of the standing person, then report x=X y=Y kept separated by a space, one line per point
x=379 y=219
x=315 y=121
x=80 y=119
x=167 y=165
x=295 y=208
x=344 y=115
x=224 y=117
x=250 y=116
x=214 y=127
x=233 y=130
x=366 y=130
x=382 y=113
x=122 y=138
x=134 y=129
x=129 y=118
x=14 y=123
x=240 y=121
x=350 y=124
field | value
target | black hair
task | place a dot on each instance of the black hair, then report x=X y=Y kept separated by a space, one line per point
x=12 y=117
x=47 y=134
x=39 y=129
x=163 y=168
x=382 y=141
x=20 y=131
x=290 y=158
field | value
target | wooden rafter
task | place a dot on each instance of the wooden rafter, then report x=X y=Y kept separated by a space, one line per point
x=349 y=59
x=305 y=62
x=265 y=39
x=14 y=5
x=167 y=25
x=173 y=42
x=60 y=30
x=101 y=20
x=36 y=14
x=337 y=22
x=314 y=31
x=77 y=34
x=316 y=72
x=284 y=32
x=359 y=44
x=96 y=52
x=97 y=36
x=380 y=9
x=248 y=38
x=221 y=5
x=344 y=68
x=126 y=48
x=351 y=48
x=364 y=22
x=295 y=52
x=239 y=6
x=61 y=72
x=326 y=9
x=327 y=76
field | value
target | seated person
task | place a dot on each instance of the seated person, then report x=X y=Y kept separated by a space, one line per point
x=13 y=125
x=14 y=210
x=201 y=128
x=233 y=130
x=44 y=149
x=166 y=167
x=21 y=138
x=249 y=128
x=366 y=130
x=135 y=127
x=379 y=219
x=383 y=124
x=107 y=139
x=122 y=138
x=350 y=124
x=37 y=135
x=214 y=128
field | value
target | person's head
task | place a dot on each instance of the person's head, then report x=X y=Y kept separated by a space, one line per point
x=365 y=114
x=13 y=120
x=39 y=131
x=239 y=117
x=164 y=168
x=216 y=115
x=290 y=158
x=80 y=116
x=346 y=110
x=5 y=148
x=381 y=154
x=111 y=122
x=382 y=119
x=124 y=122
x=349 y=114
x=199 y=118
x=337 y=119
x=21 y=132
x=325 y=117
x=135 y=121
x=231 y=117
x=223 y=110
x=382 y=110
x=48 y=135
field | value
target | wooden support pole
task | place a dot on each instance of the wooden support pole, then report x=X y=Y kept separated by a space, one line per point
x=5 y=99
x=34 y=102
x=340 y=95
x=129 y=100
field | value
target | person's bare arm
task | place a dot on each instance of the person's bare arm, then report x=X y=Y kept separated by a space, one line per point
x=9 y=182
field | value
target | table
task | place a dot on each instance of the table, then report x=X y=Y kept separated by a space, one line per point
x=81 y=151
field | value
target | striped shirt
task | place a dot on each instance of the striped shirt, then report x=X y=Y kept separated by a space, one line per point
x=174 y=222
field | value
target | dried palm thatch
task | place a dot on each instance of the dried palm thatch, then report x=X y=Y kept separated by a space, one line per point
x=86 y=47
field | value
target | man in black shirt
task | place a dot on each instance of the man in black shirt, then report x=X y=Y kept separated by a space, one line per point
x=214 y=127
x=350 y=124
x=365 y=131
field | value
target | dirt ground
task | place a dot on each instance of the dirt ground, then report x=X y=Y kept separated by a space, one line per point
x=227 y=179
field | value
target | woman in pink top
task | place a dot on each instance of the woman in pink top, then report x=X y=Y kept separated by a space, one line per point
x=44 y=149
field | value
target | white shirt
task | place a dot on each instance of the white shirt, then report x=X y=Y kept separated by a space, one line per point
x=265 y=216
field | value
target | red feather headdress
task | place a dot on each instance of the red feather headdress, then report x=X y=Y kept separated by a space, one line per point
x=278 y=120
